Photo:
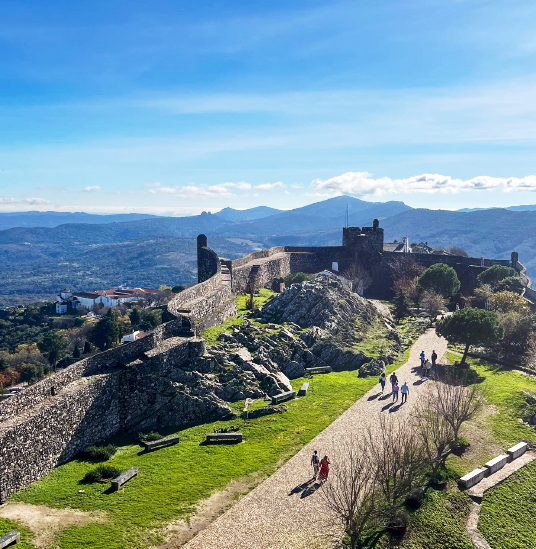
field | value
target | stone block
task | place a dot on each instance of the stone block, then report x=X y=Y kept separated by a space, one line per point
x=303 y=389
x=496 y=463
x=124 y=477
x=9 y=539
x=518 y=450
x=472 y=478
x=288 y=395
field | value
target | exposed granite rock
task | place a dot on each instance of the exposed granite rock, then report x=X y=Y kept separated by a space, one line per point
x=323 y=302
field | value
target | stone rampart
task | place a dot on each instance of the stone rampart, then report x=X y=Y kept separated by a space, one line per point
x=96 y=364
x=90 y=409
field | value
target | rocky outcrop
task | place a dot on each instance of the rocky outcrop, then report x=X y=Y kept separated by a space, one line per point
x=322 y=302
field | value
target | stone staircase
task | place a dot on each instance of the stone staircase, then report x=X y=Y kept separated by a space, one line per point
x=225 y=273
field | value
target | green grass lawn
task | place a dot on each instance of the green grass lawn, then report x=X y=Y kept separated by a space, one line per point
x=172 y=480
x=439 y=523
x=211 y=335
x=508 y=511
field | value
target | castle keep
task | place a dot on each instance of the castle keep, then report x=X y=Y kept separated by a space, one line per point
x=122 y=389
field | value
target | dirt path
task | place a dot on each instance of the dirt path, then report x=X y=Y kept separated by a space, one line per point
x=285 y=511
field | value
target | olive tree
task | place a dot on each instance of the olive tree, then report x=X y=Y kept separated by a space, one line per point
x=471 y=326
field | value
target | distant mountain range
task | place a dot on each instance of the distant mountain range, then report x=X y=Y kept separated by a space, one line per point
x=37 y=261
x=53 y=219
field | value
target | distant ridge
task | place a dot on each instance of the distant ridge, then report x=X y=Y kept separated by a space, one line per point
x=230 y=214
x=9 y=220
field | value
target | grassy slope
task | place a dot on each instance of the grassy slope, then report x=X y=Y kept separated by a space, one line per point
x=508 y=511
x=172 y=480
x=439 y=523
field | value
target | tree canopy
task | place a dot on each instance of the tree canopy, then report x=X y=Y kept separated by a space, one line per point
x=441 y=279
x=106 y=332
x=54 y=346
x=471 y=327
x=493 y=275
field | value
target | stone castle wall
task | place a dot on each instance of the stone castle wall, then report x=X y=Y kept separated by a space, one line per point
x=90 y=408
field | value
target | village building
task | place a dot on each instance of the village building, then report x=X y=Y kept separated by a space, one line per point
x=68 y=300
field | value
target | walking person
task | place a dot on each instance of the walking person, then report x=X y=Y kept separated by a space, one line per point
x=382 y=381
x=422 y=356
x=405 y=392
x=393 y=379
x=395 y=392
x=324 y=469
x=434 y=358
x=427 y=370
x=315 y=462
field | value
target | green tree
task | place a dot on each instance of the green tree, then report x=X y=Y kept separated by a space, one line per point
x=106 y=332
x=87 y=348
x=495 y=274
x=441 y=279
x=135 y=318
x=54 y=346
x=471 y=327
x=150 y=319
x=401 y=302
x=34 y=372
x=295 y=278
x=511 y=284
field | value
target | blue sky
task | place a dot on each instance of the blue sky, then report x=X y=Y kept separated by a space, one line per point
x=178 y=107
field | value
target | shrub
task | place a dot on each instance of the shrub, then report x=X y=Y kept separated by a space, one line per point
x=148 y=437
x=102 y=473
x=100 y=453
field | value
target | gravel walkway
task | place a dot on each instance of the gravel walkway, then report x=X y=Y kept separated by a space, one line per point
x=285 y=512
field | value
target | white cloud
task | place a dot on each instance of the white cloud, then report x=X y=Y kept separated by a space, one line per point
x=270 y=186
x=362 y=183
x=219 y=190
x=93 y=189
x=24 y=201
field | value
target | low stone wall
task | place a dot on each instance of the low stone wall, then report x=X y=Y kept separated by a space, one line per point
x=97 y=364
x=88 y=410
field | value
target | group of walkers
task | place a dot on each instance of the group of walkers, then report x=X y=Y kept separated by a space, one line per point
x=395 y=388
x=320 y=467
x=426 y=365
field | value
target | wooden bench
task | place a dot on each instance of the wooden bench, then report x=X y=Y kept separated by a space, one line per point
x=303 y=389
x=276 y=399
x=160 y=443
x=124 y=477
x=224 y=437
x=9 y=539
x=319 y=370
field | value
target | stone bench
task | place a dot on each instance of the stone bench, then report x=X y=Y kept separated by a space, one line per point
x=124 y=477
x=518 y=450
x=493 y=465
x=6 y=396
x=472 y=478
x=319 y=370
x=303 y=389
x=9 y=539
x=160 y=443
x=288 y=395
x=224 y=437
